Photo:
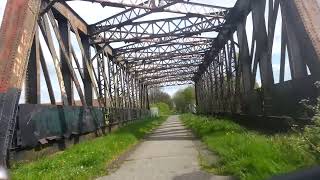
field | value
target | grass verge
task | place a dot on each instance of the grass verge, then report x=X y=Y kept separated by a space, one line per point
x=246 y=154
x=88 y=159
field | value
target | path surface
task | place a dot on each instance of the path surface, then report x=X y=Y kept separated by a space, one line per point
x=169 y=153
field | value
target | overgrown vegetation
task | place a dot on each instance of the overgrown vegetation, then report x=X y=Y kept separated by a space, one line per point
x=311 y=133
x=183 y=100
x=88 y=159
x=250 y=155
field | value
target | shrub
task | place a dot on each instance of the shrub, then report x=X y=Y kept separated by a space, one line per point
x=311 y=133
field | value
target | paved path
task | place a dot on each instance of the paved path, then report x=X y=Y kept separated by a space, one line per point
x=169 y=153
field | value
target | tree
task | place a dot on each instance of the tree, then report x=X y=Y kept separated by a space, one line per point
x=163 y=108
x=156 y=95
x=184 y=98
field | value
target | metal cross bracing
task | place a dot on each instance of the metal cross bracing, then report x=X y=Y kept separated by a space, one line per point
x=173 y=83
x=166 y=64
x=161 y=29
x=189 y=57
x=92 y=83
x=164 y=49
x=150 y=43
x=249 y=80
x=148 y=7
x=175 y=71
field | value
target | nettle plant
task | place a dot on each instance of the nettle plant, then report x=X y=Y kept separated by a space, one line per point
x=311 y=133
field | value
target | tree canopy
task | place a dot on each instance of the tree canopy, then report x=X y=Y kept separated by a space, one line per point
x=184 y=98
x=161 y=100
x=156 y=95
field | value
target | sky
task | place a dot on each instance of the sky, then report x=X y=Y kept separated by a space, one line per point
x=92 y=12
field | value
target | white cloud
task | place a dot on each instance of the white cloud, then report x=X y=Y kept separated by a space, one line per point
x=171 y=90
x=93 y=12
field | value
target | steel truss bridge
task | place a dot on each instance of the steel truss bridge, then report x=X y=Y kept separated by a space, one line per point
x=112 y=82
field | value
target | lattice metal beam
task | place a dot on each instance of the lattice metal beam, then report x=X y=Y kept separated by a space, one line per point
x=182 y=7
x=165 y=50
x=162 y=29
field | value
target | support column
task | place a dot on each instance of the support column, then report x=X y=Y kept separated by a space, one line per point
x=16 y=34
x=147 y=100
x=132 y=92
x=196 y=92
x=87 y=84
x=141 y=95
x=244 y=58
x=211 y=90
x=64 y=28
x=32 y=83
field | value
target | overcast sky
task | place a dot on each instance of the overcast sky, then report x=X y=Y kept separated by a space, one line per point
x=92 y=12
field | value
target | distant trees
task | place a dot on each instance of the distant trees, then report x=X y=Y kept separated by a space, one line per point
x=161 y=100
x=163 y=108
x=156 y=96
x=181 y=102
x=184 y=98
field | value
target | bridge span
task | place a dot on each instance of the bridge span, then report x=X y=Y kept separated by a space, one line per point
x=99 y=75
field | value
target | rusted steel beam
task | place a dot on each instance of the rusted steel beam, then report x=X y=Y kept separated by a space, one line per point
x=32 y=83
x=66 y=56
x=305 y=16
x=188 y=25
x=45 y=29
x=227 y=71
x=90 y=76
x=64 y=28
x=87 y=81
x=309 y=13
x=47 y=77
x=125 y=17
x=182 y=7
x=140 y=45
x=16 y=34
x=68 y=13
x=64 y=10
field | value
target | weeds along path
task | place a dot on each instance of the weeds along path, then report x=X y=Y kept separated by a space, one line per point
x=88 y=159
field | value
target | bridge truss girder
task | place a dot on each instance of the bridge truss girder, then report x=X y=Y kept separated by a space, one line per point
x=163 y=52
x=230 y=73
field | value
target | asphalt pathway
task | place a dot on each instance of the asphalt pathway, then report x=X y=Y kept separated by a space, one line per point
x=169 y=153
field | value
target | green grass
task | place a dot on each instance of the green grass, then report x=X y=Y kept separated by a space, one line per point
x=246 y=154
x=88 y=159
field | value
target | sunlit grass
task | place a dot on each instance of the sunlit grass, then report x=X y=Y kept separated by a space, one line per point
x=88 y=159
x=246 y=154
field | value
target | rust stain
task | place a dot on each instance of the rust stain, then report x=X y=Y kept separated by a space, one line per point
x=309 y=11
x=16 y=35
